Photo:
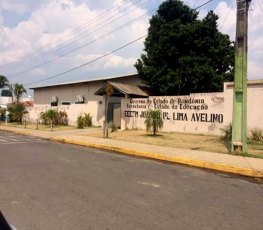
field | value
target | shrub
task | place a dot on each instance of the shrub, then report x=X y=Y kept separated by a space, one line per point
x=43 y=118
x=87 y=120
x=16 y=112
x=52 y=116
x=153 y=121
x=60 y=119
x=113 y=127
x=227 y=131
x=84 y=120
x=80 y=122
x=257 y=135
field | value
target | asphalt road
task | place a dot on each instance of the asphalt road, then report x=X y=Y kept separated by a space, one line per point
x=46 y=185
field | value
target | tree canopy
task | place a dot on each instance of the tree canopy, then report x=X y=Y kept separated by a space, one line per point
x=3 y=81
x=184 y=54
x=18 y=90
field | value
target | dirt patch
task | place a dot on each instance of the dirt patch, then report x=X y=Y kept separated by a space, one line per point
x=181 y=140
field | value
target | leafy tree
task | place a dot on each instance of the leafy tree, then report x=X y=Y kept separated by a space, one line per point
x=6 y=93
x=183 y=54
x=3 y=81
x=52 y=116
x=16 y=112
x=153 y=121
x=18 y=90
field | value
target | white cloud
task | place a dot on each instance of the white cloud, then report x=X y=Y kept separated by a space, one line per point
x=14 y=5
x=227 y=18
x=115 y=61
x=53 y=22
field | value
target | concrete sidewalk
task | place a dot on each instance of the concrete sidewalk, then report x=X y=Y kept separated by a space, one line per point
x=247 y=166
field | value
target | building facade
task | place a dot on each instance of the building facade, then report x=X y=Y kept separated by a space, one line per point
x=76 y=98
x=128 y=102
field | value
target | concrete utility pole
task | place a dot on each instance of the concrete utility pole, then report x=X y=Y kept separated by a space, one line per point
x=239 y=118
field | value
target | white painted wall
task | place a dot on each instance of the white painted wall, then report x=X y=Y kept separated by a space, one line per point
x=178 y=118
x=5 y=100
x=73 y=111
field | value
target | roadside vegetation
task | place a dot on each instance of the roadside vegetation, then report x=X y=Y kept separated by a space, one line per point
x=153 y=121
x=84 y=120
x=215 y=144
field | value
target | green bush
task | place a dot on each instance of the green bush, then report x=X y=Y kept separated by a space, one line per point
x=80 y=122
x=87 y=120
x=257 y=135
x=61 y=118
x=84 y=121
x=227 y=131
x=16 y=112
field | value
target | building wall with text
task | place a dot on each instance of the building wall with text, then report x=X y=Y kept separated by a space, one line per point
x=202 y=113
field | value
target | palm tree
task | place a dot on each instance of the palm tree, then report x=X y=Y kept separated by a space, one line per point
x=51 y=115
x=3 y=81
x=11 y=89
x=18 y=90
x=153 y=121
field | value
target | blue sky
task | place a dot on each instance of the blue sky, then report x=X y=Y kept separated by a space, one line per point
x=41 y=39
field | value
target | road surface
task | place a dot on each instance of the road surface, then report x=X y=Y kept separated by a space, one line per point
x=47 y=185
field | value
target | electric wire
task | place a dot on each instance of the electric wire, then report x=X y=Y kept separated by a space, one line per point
x=74 y=31
x=203 y=4
x=87 y=63
x=84 y=45
x=96 y=59
x=226 y=17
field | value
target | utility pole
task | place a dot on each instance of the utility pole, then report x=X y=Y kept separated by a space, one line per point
x=239 y=117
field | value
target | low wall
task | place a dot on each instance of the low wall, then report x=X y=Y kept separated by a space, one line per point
x=73 y=111
x=203 y=113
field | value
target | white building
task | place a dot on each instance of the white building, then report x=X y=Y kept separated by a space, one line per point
x=203 y=113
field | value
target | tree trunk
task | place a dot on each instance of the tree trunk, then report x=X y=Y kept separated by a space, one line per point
x=105 y=123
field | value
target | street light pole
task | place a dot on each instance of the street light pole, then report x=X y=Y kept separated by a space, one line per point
x=239 y=117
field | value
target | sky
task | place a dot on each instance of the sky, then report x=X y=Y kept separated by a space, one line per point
x=73 y=40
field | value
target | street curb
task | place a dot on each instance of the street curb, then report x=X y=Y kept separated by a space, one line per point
x=173 y=159
x=25 y=132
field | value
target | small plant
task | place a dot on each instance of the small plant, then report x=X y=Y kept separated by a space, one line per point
x=52 y=116
x=113 y=127
x=257 y=135
x=16 y=112
x=62 y=118
x=43 y=117
x=80 y=122
x=87 y=120
x=153 y=121
x=227 y=130
x=84 y=120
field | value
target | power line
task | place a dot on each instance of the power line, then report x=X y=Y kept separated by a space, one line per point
x=87 y=63
x=78 y=29
x=202 y=4
x=84 y=45
x=225 y=18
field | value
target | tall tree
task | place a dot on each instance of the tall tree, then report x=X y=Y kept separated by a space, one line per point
x=184 y=54
x=18 y=90
x=3 y=81
x=11 y=89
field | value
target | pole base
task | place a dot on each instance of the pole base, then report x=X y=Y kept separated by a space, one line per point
x=237 y=148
